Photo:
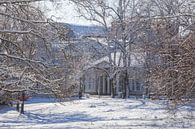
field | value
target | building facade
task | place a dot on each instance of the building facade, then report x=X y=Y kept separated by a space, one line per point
x=96 y=81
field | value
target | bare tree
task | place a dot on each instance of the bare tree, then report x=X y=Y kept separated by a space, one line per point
x=170 y=63
x=121 y=20
x=27 y=56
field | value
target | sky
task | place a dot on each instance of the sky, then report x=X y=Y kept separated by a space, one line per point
x=63 y=12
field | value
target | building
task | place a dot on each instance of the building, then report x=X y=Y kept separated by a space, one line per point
x=100 y=78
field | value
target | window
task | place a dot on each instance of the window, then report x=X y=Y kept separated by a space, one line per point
x=138 y=85
x=133 y=85
x=91 y=83
x=88 y=83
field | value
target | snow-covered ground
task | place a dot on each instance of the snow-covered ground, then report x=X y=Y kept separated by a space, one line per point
x=95 y=113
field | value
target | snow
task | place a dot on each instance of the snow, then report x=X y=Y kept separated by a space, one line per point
x=96 y=113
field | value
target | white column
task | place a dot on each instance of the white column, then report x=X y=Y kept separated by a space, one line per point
x=99 y=84
x=104 y=84
x=108 y=85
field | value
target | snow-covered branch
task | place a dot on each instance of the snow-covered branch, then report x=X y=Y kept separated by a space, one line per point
x=15 y=31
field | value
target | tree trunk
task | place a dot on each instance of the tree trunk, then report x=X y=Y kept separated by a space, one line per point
x=22 y=105
x=17 y=106
x=80 y=89
x=22 y=108
x=112 y=88
x=127 y=85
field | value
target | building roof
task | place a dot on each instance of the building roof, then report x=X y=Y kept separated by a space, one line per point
x=137 y=60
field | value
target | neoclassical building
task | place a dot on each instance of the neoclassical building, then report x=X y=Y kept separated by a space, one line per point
x=96 y=79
